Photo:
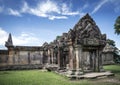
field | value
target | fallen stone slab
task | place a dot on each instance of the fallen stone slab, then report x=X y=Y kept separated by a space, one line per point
x=96 y=75
x=92 y=75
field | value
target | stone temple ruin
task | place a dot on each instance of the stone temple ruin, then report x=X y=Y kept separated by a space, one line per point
x=79 y=51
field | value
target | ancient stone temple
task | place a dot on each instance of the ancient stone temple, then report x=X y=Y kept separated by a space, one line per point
x=108 y=54
x=78 y=51
x=20 y=57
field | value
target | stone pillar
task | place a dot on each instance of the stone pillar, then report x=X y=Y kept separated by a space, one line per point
x=58 y=58
x=41 y=54
x=97 y=61
x=71 y=70
x=79 y=60
x=48 y=56
x=100 y=61
x=11 y=55
x=71 y=56
x=94 y=58
x=111 y=58
x=52 y=58
x=60 y=61
x=29 y=58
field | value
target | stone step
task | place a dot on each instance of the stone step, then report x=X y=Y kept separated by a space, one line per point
x=92 y=75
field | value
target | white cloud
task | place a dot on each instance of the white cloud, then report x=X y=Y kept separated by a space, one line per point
x=57 y=17
x=117 y=9
x=66 y=10
x=99 y=5
x=1 y=9
x=42 y=9
x=25 y=7
x=3 y=36
x=116 y=4
x=14 y=12
x=85 y=6
x=24 y=38
x=47 y=9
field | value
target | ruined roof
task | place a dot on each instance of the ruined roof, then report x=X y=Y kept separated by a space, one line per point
x=86 y=24
x=108 y=48
x=9 y=41
x=3 y=51
x=45 y=44
x=28 y=48
x=85 y=32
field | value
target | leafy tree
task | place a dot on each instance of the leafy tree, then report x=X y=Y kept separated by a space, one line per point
x=117 y=26
x=116 y=56
x=58 y=37
x=111 y=42
x=116 y=51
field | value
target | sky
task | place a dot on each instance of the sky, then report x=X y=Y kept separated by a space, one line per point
x=33 y=22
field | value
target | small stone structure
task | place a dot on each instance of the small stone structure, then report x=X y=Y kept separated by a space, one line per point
x=77 y=52
x=108 y=54
x=20 y=57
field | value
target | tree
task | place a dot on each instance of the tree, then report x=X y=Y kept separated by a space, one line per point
x=111 y=42
x=117 y=26
x=116 y=51
x=116 y=55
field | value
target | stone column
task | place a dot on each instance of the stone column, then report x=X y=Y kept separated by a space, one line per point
x=61 y=56
x=48 y=56
x=71 y=70
x=112 y=58
x=11 y=55
x=52 y=58
x=94 y=58
x=97 y=60
x=71 y=56
x=79 y=60
x=41 y=53
x=100 y=61
x=58 y=58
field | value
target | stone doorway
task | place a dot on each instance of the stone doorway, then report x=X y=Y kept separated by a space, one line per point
x=89 y=58
x=92 y=60
x=64 y=60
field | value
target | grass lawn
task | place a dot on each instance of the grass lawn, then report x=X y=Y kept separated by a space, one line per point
x=37 y=77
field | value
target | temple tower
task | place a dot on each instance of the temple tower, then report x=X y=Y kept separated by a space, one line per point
x=9 y=45
x=88 y=43
x=9 y=42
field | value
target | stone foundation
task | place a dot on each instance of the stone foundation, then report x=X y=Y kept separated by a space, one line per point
x=21 y=67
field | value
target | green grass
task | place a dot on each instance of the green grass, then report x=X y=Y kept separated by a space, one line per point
x=33 y=77
x=37 y=77
x=114 y=69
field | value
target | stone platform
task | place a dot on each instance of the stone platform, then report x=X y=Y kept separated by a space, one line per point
x=91 y=75
x=94 y=75
x=21 y=67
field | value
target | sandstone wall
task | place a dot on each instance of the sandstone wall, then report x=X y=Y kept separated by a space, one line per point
x=20 y=59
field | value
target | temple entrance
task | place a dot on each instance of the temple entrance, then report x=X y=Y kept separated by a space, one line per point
x=89 y=60
x=92 y=60
x=64 y=60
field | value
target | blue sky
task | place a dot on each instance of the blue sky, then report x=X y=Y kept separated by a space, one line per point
x=32 y=22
